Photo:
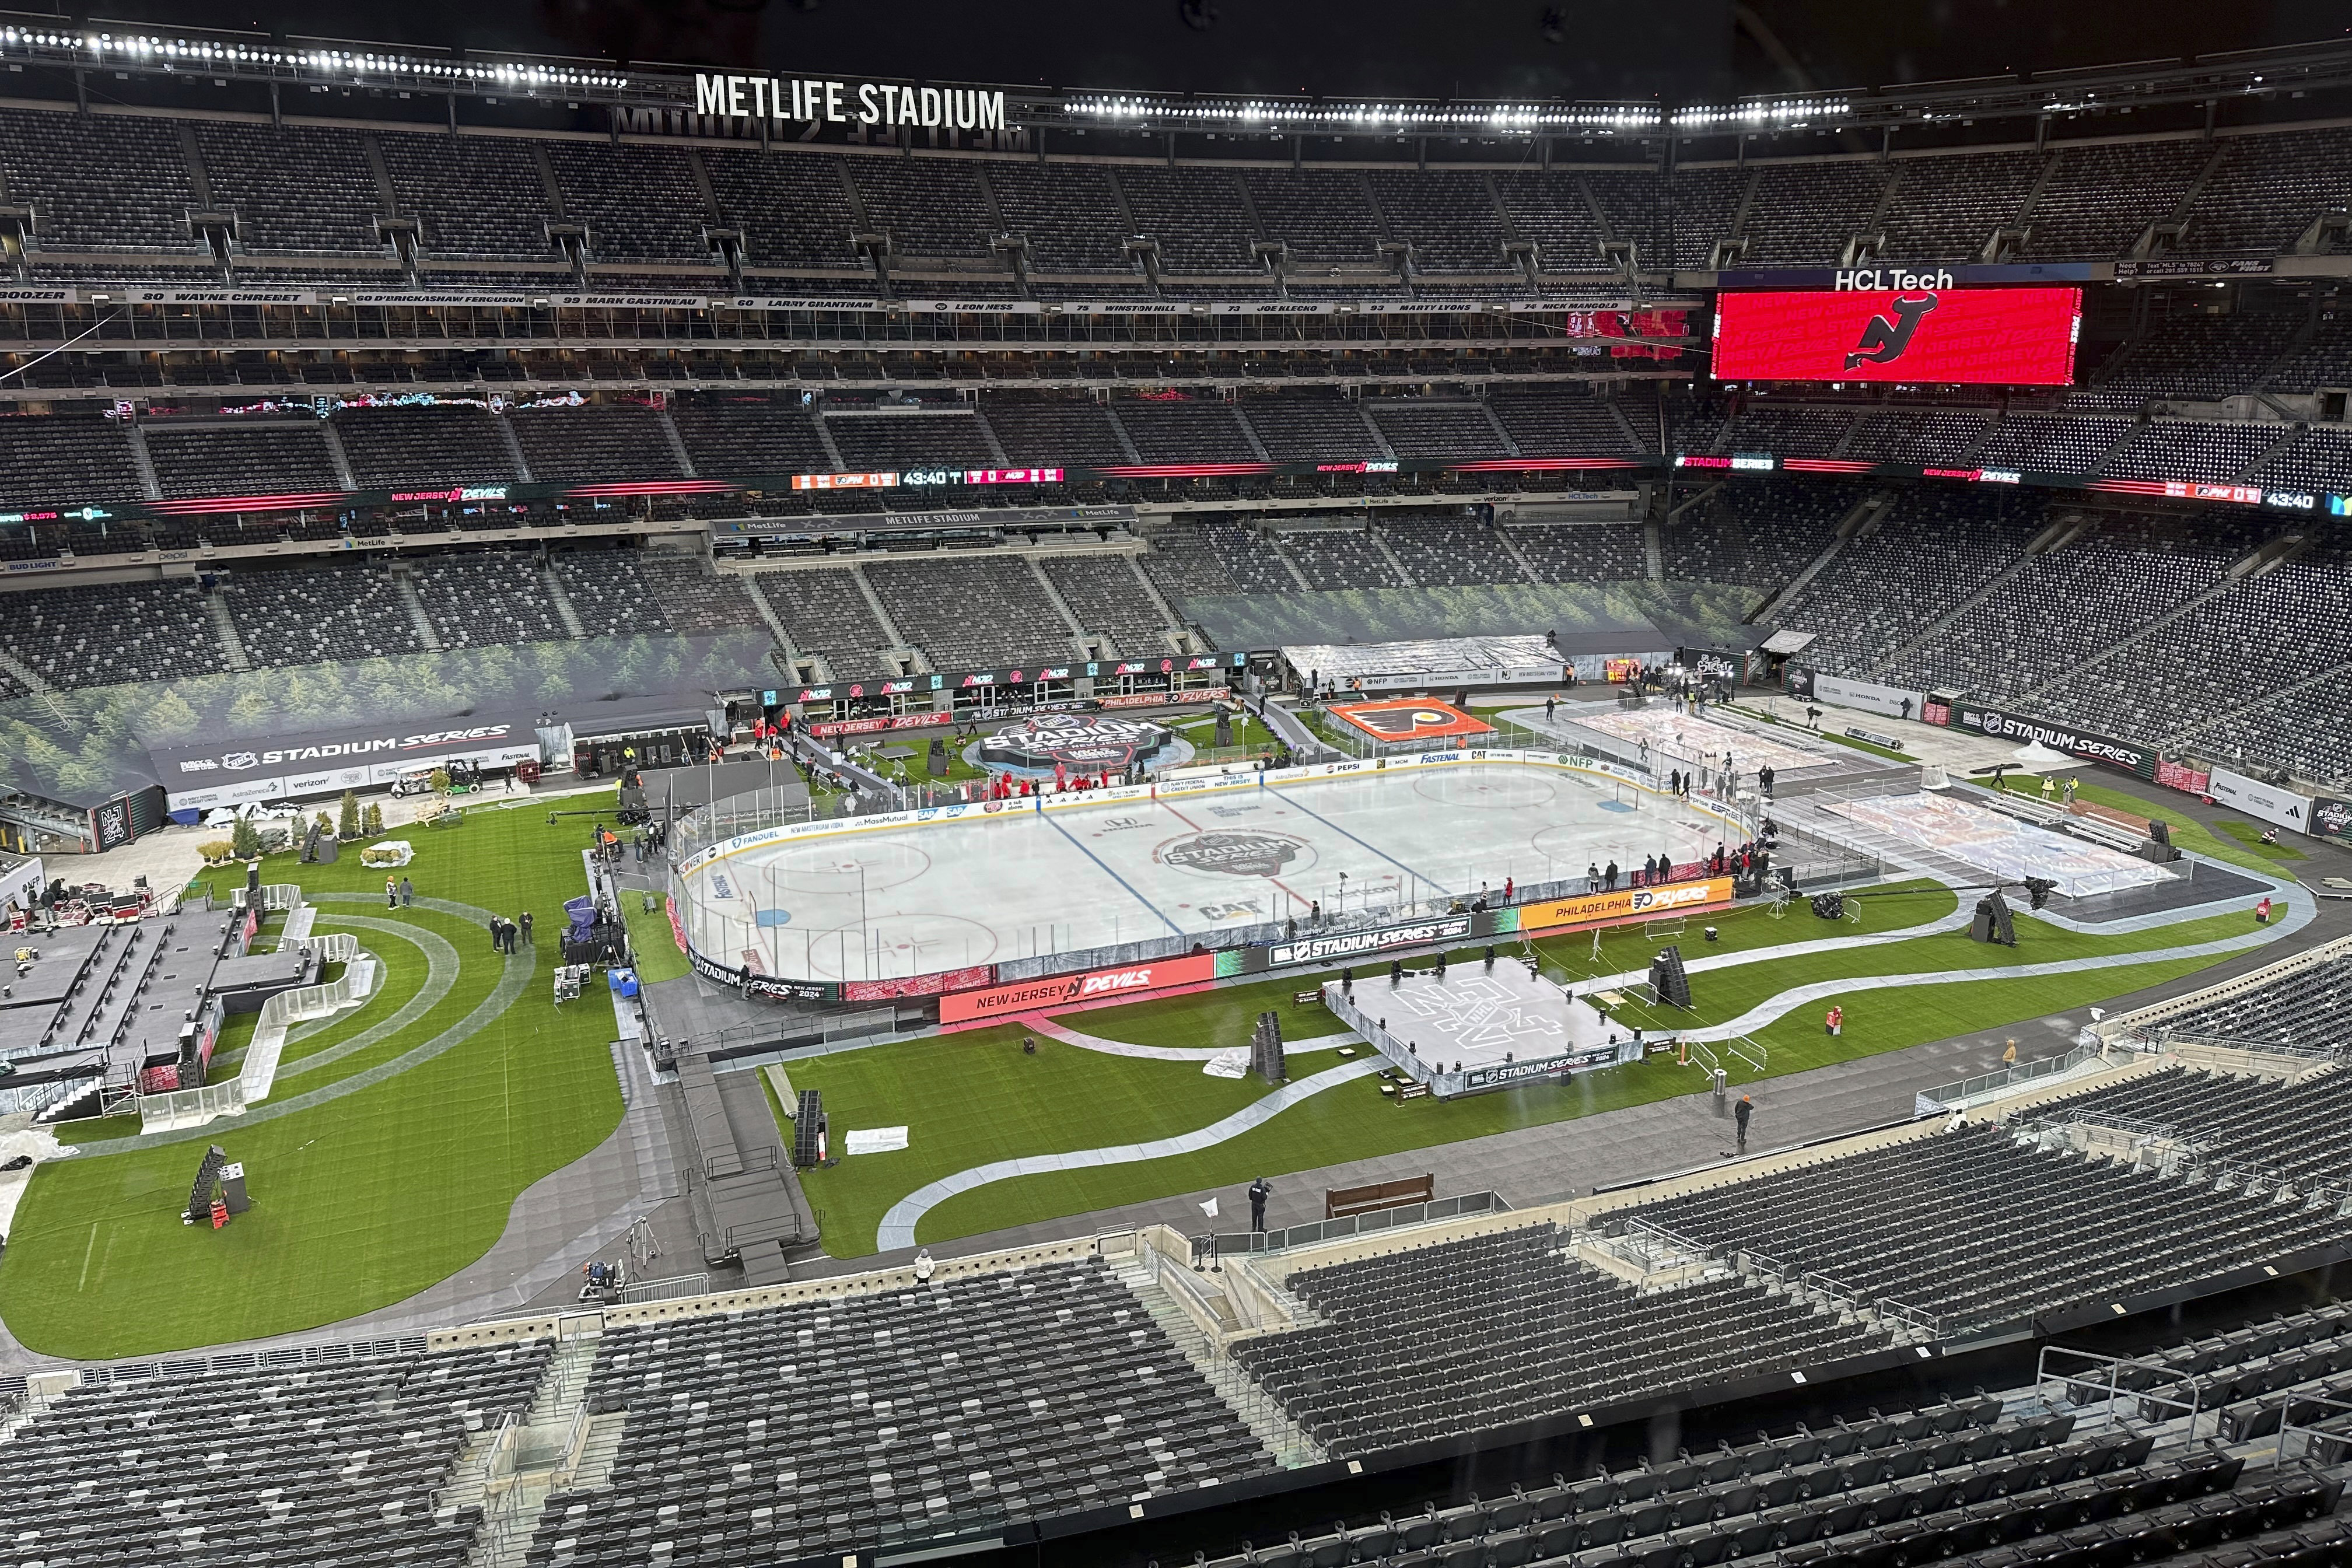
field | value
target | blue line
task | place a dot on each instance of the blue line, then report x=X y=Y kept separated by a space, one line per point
x=1114 y=876
x=1434 y=885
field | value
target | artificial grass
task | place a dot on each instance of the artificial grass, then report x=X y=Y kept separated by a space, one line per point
x=96 y=1128
x=972 y=1097
x=1720 y=996
x=1355 y=1121
x=652 y=944
x=400 y=970
x=1874 y=748
x=2249 y=836
x=1226 y=1015
x=969 y=1099
x=472 y=982
x=358 y=1203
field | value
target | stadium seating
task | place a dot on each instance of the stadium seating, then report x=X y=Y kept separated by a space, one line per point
x=973 y=613
x=341 y=1461
x=1923 y=436
x=1982 y=1231
x=1442 y=552
x=1755 y=536
x=792 y=207
x=142 y=203
x=50 y=461
x=694 y=599
x=2113 y=580
x=1414 y=428
x=1185 y=431
x=1068 y=212
x=2296 y=1133
x=484 y=601
x=1930 y=551
x=1553 y=422
x=893 y=441
x=1504 y=1328
x=233 y=459
x=1104 y=595
x=1300 y=426
x=1936 y=1483
x=2264 y=635
x=827 y=615
x=1582 y=552
x=101 y=636
x=1338 y=558
x=2053 y=444
x=751 y=436
x=421 y=447
x=318 y=615
x=1041 y=429
x=593 y=444
x=947 y=1408
x=293 y=190
x=927 y=208
x=609 y=595
x=1187 y=558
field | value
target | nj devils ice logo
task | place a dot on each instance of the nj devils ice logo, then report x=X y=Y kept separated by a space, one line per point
x=1083 y=743
x=1883 y=340
x=1234 y=853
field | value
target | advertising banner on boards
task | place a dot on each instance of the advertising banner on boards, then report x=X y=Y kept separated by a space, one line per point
x=2091 y=746
x=1625 y=903
x=1066 y=990
x=1870 y=696
x=2269 y=802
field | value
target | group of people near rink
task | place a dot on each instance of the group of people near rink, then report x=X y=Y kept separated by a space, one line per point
x=1658 y=869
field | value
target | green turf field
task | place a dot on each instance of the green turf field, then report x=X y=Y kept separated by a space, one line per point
x=974 y=1098
x=651 y=940
x=365 y=1200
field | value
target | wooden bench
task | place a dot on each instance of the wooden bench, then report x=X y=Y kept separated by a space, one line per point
x=1339 y=1202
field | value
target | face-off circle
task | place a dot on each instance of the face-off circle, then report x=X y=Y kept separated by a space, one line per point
x=1226 y=852
x=1083 y=743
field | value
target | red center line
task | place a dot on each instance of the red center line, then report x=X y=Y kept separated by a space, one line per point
x=1178 y=815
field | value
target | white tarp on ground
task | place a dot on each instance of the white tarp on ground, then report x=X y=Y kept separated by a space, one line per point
x=38 y=1142
x=1669 y=732
x=1227 y=1064
x=876 y=1141
x=2003 y=846
x=1444 y=663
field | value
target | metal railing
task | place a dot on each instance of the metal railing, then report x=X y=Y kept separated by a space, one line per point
x=678 y=1288
x=1946 y=1098
x=2313 y=1427
x=340 y=1351
x=1247 y=1243
x=2100 y=1384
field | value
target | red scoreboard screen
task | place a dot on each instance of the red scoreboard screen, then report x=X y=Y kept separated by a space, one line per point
x=2014 y=337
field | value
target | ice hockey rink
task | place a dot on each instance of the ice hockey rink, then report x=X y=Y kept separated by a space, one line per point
x=885 y=902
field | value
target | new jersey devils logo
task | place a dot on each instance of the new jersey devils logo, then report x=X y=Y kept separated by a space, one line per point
x=1883 y=340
